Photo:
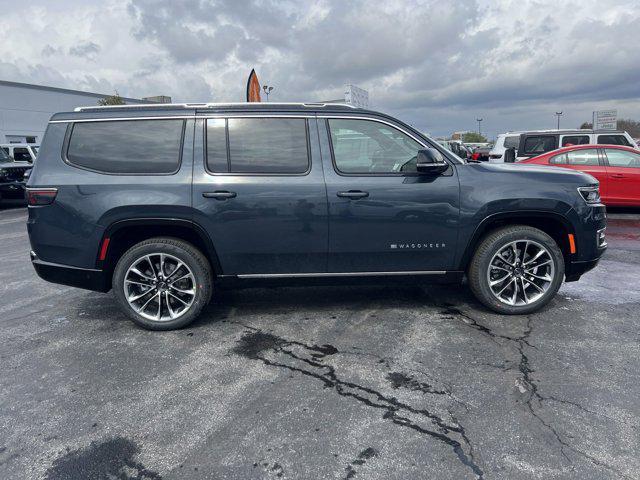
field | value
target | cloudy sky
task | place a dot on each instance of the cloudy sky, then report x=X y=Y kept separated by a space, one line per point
x=436 y=64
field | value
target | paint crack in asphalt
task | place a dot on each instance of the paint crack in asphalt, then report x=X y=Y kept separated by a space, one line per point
x=257 y=344
x=529 y=385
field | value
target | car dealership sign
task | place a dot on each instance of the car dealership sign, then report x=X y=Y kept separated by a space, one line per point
x=605 y=119
x=356 y=96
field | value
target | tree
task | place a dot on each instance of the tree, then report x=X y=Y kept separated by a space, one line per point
x=587 y=125
x=473 y=137
x=632 y=127
x=111 y=100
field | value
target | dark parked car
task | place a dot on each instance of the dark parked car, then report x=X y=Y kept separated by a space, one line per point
x=164 y=203
x=12 y=176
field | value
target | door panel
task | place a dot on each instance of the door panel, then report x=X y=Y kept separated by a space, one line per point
x=586 y=160
x=623 y=171
x=266 y=223
x=380 y=222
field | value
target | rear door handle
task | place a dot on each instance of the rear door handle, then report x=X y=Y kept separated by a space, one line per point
x=617 y=175
x=219 y=194
x=354 y=194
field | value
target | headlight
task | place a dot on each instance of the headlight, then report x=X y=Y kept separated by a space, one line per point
x=591 y=194
x=3 y=172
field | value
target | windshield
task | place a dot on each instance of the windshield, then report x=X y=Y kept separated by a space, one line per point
x=3 y=156
x=512 y=142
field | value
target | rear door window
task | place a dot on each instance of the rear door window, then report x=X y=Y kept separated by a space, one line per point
x=613 y=140
x=538 y=144
x=569 y=140
x=127 y=146
x=622 y=158
x=588 y=156
x=257 y=146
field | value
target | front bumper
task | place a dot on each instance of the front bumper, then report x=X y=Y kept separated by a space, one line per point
x=591 y=243
x=88 y=279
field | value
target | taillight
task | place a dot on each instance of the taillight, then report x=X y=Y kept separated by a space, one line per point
x=41 y=196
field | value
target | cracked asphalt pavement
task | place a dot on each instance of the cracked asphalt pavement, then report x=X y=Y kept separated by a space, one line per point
x=364 y=382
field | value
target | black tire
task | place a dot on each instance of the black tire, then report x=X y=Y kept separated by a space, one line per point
x=493 y=243
x=178 y=249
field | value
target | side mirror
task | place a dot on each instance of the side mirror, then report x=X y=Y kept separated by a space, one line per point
x=431 y=161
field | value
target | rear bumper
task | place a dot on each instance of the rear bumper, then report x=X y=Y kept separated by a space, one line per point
x=88 y=279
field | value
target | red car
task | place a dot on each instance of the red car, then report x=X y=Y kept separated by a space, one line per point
x=616 y=167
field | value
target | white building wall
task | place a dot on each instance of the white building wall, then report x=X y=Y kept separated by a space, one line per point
x=26 y=109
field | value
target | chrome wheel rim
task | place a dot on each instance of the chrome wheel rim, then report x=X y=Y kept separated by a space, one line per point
x=521 y=272
x=160 y=287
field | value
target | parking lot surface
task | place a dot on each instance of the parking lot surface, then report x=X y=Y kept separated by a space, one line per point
x=366 y=382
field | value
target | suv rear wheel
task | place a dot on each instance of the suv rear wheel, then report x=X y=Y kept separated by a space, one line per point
x=162 y=283
x=516 y=270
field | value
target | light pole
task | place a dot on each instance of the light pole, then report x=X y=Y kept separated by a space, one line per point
x=479 y=120
x=267 y=90
x=558 y=114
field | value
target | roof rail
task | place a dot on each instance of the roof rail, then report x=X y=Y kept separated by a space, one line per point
x=208 y=105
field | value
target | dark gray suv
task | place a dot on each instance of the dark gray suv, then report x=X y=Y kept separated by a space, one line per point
x=164 y=203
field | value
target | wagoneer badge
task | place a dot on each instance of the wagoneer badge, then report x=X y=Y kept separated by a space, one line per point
x=416 y=246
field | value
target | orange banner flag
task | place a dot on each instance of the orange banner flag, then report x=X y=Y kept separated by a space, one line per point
x=253 y=87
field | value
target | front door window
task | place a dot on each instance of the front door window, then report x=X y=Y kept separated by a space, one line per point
x=364 y=146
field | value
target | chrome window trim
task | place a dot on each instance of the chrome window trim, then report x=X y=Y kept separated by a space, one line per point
x=186 y=117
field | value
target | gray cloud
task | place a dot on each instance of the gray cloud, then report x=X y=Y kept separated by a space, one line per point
x=86 y=50
x=437 y=64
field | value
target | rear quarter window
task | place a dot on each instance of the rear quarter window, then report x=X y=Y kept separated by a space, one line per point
x=127 y=146
x=613 y=140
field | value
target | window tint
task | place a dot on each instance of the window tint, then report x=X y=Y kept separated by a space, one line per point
x=622 y=158
x=129 y=146
x=268 y=145
x=575 y=140
x=217 y=145
x=364 y=146
x=613 y=140
x=21 y=154
x=539 y=144
x=512 y=141
x=588 y=156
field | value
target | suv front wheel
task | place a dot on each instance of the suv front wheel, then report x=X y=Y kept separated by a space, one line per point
x=162 y=283
x=516 y=270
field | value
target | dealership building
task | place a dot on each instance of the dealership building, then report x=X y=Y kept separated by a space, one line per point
x=25 y=109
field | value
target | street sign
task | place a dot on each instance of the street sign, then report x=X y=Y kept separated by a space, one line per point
x=605 y=120
x=356 y=96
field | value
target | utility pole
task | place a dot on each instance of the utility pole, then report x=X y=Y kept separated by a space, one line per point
x=558 y=114
x=479 y=120
x=267 y=90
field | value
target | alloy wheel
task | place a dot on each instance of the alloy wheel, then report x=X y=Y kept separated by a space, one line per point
x=159 y=287
x=521 y=272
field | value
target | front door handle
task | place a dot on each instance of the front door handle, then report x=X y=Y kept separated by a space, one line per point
x=617 y=175
x=354 y=194
x=220 y=194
